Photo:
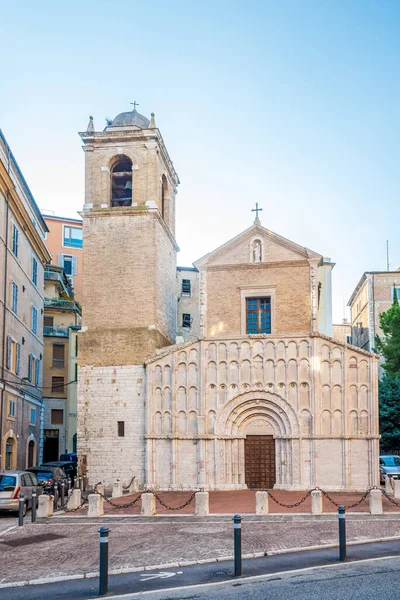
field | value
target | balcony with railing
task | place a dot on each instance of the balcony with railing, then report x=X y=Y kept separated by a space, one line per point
x=56 y=331
x=50 y=275
x=58 y=363
x=62 y=304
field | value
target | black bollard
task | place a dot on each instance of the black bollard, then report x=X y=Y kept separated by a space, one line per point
x=21 y=509
x=55 y=491
x=69 y=485
x=62 y=494
x=103 y=582
x=237 y=532
x=33 y=513
x=342 y=532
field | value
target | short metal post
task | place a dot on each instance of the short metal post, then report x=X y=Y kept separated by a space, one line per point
x=62 y=494
x=103 y=582
x=342 y=532
x=33 y=513
x=80 y=484
x=76 y=483
x=21 y=509
x=237 y=532
x=84 y=482
x=55 y=496
x=69 y=484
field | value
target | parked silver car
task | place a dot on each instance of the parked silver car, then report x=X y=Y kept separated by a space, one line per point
x=389 y=464
x=14 y=482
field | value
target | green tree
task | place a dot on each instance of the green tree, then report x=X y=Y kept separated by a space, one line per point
x=389 y=411
x=389 y=344
x=389 y=386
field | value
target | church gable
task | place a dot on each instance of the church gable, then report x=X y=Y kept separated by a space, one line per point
x=256 y=245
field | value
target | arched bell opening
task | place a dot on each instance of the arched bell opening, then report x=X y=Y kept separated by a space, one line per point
x=121 y=182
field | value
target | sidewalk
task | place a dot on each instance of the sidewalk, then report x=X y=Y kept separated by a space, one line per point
x=70 y=546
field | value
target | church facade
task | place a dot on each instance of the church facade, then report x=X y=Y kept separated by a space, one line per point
x=220 y=376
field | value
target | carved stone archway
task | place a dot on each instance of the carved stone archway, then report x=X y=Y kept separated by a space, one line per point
x=232 y=424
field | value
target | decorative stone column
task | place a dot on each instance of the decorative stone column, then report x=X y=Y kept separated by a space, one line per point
x=75 y=499
x=117 y=489
x=95 y=508
x=45 y=508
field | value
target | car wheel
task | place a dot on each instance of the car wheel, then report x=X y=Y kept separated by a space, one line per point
x=25 y=509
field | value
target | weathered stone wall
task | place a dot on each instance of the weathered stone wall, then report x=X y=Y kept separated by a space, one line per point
x=318 y=397
x=107 y=395
x=129 y=301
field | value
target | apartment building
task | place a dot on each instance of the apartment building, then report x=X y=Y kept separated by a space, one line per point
x=62 y=318
x=23 y=254
x=64 y=241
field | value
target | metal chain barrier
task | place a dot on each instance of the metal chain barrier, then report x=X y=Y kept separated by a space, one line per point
x=174 y=507
x=126 y=487
x=392 y=500
x=84 y=501
x=127 y=505
x=291 y=505
x=337 y=504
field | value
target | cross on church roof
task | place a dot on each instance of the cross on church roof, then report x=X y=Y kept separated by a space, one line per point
x=135 y=104
x=256 y=210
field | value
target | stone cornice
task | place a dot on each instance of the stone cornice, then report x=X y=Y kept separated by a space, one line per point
x=257 y=266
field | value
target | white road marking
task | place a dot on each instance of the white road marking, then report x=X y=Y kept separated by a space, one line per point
x=161 y=575
x=252 y=578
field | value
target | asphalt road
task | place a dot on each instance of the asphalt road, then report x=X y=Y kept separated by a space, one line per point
x=351 y=581
x=274 y=577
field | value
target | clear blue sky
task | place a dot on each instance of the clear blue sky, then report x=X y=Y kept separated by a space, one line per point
x=294 y=104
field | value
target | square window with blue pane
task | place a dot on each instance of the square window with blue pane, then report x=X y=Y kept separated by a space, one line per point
x=258 y=315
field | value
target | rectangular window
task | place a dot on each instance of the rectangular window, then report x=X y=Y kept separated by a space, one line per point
x=32 y=416
x=68 y=263
x=48 y=321
x=58 y=356
x=258 y=315
x=186 y=287
x=398 y=292
x=72 y=236
x=57 y=416
x=11 y=408
x=121 y=428
x=15 y=236
x=37 y=371
x=57 y=385
x=34 y=270
x=186 y=321
x=34 y=319
x=18 y=358
x=14 y=297
x=9 y=352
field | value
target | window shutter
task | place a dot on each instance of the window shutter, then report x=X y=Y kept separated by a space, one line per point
x=18 y=361
x=37 y=372
x=30 y=367
x=16 y=299
x=61 y=260
x=9 y=351
x=74 y=265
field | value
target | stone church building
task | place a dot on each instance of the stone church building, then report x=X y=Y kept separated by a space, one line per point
x=220 y=376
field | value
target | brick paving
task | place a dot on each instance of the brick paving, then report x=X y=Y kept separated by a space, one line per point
x=242 y=501
x=70 y=546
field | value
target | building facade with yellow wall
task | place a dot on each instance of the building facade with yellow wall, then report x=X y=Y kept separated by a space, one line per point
x=23 y=255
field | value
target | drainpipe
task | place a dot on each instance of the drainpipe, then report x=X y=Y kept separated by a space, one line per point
x=3 y=342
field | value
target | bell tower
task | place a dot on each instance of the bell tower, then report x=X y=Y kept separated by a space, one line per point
x=129 y=255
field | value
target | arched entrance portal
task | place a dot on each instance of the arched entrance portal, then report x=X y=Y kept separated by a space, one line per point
x=260 y=443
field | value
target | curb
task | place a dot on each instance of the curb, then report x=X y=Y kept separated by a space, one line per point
x=188 y=563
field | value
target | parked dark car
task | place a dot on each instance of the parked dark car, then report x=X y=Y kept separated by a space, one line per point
x=389 y=464
x=70 y=468
x=14 y=482
x=70 y=457
x=50 y=478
